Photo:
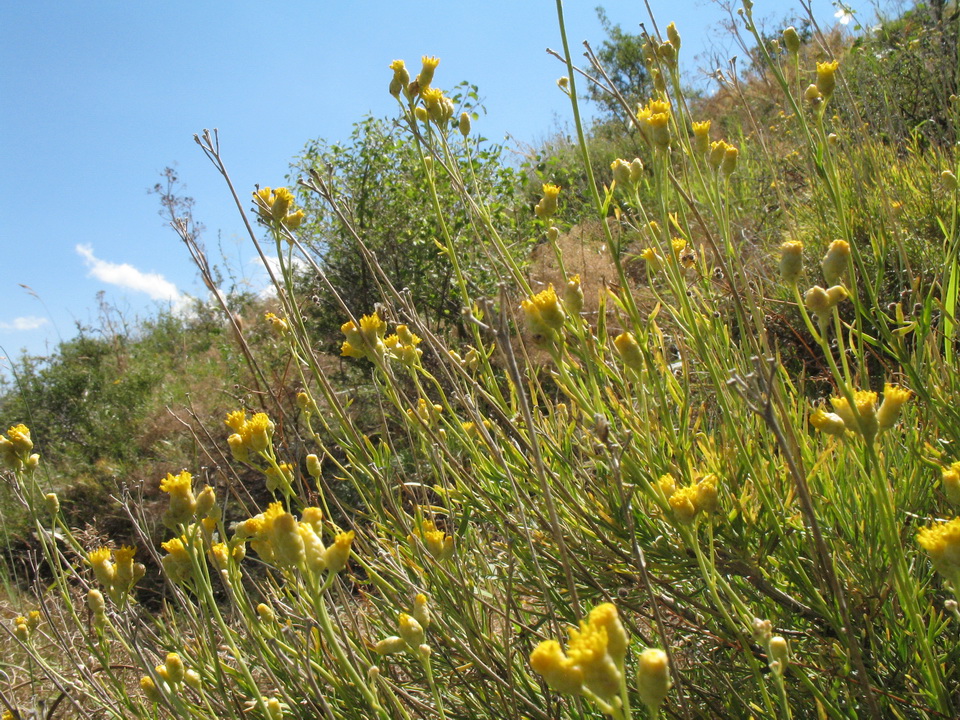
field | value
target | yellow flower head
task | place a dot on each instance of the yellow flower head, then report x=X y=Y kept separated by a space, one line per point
x=894 y=398
x=337 y=554
x=620 y=169
x=401 y=78
x=866 y=408
x=278 y=325
x=588 y=649
x=701 y=137
x=426 y=71
x=544 y=311
x=411 y=631
x=560 y=672
x=605 y=616
x=548 y=203
x=176 y=563
x=573 y=296
x=103 y=568
x=653 y=259
x=942 y=542
x=19 y=435
x=827 y=422
x=826 y=78
x=951 y=483
x=791 y=40
x=673 y=37
x=683 y=503
x=236 y=419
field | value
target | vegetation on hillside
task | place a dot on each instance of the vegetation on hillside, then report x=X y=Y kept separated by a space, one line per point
x=677 y=436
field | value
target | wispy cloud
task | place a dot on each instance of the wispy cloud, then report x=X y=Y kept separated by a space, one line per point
x=27 y=322
x=267 y=289
x=124 y=275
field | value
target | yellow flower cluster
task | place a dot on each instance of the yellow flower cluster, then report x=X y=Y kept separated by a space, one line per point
x=544 y=312
x=278 y=537
x=275 y=207
x=116 y=570
x=942 y=542
x=688 y=502
x=864 y=417
x=184 y=505
x=627 y=173
x=173 y=676
x=654 y=121
x=278 y=325
x=250 y=436
x=593 y=662
x=365 y=341
x=951 y=482
x=402 y=346
x=723 y=157
x=439 y=107
x=24 y=627
x=821 y=302
x=412 y=631
x=15 y=449
x=701 y=137
x=438 y=544
x=629 y=350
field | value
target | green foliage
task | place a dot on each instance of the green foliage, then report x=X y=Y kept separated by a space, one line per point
x=903 y=73
x=382 y=182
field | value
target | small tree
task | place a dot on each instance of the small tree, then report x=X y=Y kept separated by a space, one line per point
x=382 y=183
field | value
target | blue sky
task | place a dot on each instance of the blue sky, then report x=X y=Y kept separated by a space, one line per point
x=96 y=98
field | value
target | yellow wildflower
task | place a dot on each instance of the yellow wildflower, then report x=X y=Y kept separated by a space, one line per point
x=183 y=504
x=701 y=137
x=401 y=78
x=894 y=398
x=176 y=563
x=826 y=78
x=426 y=71
x=548 y=203
x=942 y=541
x=829 y=423
x=544 y=311
x=337 y=554
x=951 y=482
x=560 y=672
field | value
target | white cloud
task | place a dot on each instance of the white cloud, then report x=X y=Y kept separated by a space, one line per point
x=268 y=290
x=27 y=322
x=124 y=275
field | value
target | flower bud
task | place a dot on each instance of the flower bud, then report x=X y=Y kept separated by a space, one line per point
x=791 y=261
x=313 y=466
x=835 y=262
x=629 y=350
x=464 y=125
x=653 y=678
x=411 y=631
x=791 y=40
x=52 y=503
